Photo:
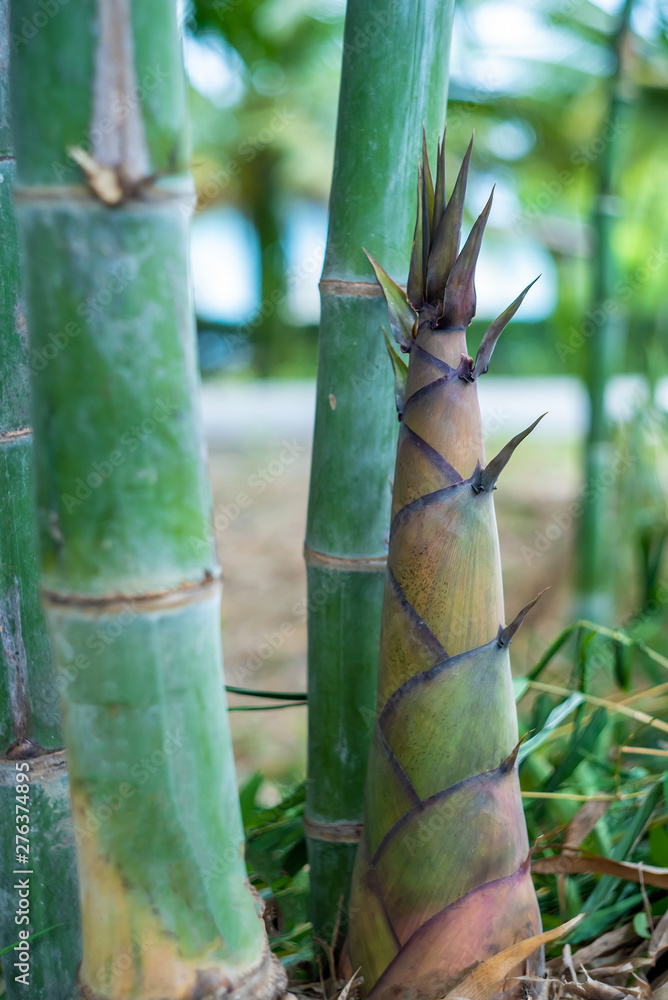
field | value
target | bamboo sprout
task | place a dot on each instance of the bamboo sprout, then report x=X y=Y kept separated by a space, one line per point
x=395 y=69
x=36 y=830
x=442 y=877
x=132 y=594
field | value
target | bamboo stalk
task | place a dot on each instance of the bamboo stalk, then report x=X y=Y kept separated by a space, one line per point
x=394 y=78
x=602 y=353
x=36 y=830
x=132 y=595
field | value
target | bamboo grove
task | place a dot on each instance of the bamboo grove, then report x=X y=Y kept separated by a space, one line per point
x=442 y=877
x=104 y=198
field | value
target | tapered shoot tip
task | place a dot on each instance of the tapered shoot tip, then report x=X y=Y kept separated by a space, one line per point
x=460 y=295
x=505 y=636
x=486 y=481
x=509 y=763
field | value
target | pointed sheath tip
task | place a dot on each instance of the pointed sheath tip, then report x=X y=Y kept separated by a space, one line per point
x=494 y=331
x=509 y=762
x=490 y=474
x=505 y=636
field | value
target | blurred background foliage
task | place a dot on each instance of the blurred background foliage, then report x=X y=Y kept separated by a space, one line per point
x=537 y=81
x=532 y=79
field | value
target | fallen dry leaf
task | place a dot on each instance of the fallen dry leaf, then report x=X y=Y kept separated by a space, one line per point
x=595 y=864
x=606 y=944
x=659 y=939
x=350 y=985
x=487 y=978
x=584 y=822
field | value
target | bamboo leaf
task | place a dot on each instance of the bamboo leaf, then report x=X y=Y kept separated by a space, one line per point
x=277 y=695
x=601 y=894
x=584 y=822
x=426 y=218
x=33 y=937
x=554 y=719
x=569 y=864
x=488 y=977
x=402 y=315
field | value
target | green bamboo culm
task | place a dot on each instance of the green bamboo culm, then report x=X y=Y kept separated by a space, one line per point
x=395 y=70
x=104 y=199
x=36 y=829
x=603 y=352
x=442 y=877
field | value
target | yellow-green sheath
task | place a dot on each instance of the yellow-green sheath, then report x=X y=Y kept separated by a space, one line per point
x=442 y=879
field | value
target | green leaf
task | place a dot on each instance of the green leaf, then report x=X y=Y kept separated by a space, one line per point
x=554 y=719
x=621 y=851
x=248 y=794
x=658 y=846
x=33 y=937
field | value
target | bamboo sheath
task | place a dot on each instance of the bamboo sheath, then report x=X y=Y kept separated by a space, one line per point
x=104 y=201
x=30 y=731
x=442 y=879
x=394 y=77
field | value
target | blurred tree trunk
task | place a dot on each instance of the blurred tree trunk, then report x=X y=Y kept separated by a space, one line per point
x=604 y=347
x=269 y=335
